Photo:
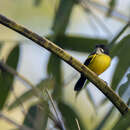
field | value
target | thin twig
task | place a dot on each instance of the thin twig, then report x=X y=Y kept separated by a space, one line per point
x=54 y=107
x=77 y=123
x=22 y=127
x=90 y=75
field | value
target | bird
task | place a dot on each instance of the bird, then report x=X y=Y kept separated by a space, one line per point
x=98 y=61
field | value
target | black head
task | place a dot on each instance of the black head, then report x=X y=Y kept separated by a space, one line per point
x=102 y=48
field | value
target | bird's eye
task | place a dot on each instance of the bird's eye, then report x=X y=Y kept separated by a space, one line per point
x=101 y=50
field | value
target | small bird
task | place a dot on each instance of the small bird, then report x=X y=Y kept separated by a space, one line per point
x=98 y=61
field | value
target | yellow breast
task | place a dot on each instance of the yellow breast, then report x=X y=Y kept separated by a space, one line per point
x=100 y=63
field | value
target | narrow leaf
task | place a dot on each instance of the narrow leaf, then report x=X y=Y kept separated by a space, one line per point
x=121 y=50
x=62 y=16
x=6 y=79
x=123 y=123
x=54 y=69
x=79 y=43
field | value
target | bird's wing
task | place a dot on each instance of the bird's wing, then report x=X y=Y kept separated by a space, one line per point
x=89 y=59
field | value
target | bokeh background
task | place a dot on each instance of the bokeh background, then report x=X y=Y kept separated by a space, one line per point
x=33 y=61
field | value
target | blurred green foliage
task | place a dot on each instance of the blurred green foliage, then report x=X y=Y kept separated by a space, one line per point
x=6 y=79
x=36 y=117
x=121 y=50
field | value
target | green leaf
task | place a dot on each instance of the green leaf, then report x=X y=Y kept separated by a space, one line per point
x=123 y=123
x=6 y=79
x=13 y=57
x=70 y=116
x=46 y=83
x=112 y=4
x=124 y=86
x=37 y=118
x=54 y=69
x=121 y=50
x=79 y=43
x=62 y=16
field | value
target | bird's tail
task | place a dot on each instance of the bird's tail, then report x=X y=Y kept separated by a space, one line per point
x=80 y=83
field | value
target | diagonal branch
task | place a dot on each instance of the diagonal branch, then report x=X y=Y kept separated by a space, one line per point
x=91 y=76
